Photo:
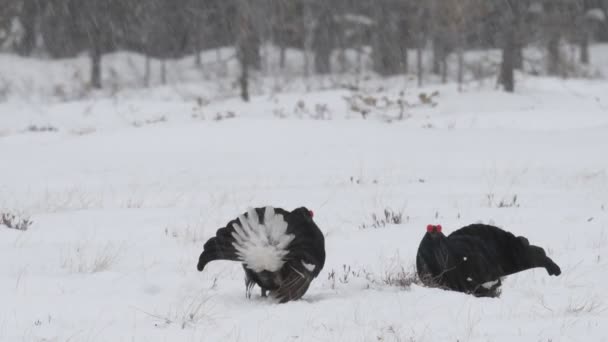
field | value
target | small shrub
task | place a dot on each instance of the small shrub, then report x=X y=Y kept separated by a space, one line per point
x=401 y=278
x=490 y=199
x=149 y=121
x=41 y=129
x=389 y=216
x=428 y=99
x=347 y=274
x=219 y=116
x=366 y=104
x=593 y=305
x=83 y=131
x=388 y=108
x=5 y=88
x=359 y=181
x=279 y=113
x=320 y=111
x=13 y=221
x=503 y=203
x=190 y=313
x=509 y=203
x=90 y=259
x=198 y=108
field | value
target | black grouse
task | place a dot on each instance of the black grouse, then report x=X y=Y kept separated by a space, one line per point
x=281 y=251
x=473 y=259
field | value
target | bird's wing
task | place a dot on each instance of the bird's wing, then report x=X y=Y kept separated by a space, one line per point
x=295 y=283
x=219 y=247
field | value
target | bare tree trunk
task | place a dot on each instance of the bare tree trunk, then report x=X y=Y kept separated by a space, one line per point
x=323 y=43
x=243 y=45
x=218 y=58
x=438 y=55
x=198 y=51
x=163 y=72
x=518 y=58
x=386 y=54
x=444 y=69
x=419 y=62
x=198 y=61
x=519 y=29
x=585 y=31
x=28 y=21
x=404 y=60
x=512 y=44
x=342 y=61
x=254 y=46
x=511 y=49
x=309 y=29
x=147 y=72
x=509 y=52
x=96 y=60
x=280 y=37
x=584 y=47
x=460 y=53
x=244 y=80
x=282 y=49
x=359 y=58
x=553 y=56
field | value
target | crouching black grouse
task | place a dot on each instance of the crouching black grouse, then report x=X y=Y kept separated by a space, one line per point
x=281 y=251
x=474 y=258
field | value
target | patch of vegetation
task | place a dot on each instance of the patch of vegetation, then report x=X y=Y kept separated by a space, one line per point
x=13 y=221
x=511 y=202
x=359 y=180
x=388 y=108
x=347 y=275
x=188 y=315
x=146 y=122
x=389 y=216
x=219 y=116
x=401 y=278
x=319 y=111
x=41 y=129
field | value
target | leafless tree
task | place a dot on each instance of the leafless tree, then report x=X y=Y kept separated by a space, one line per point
x=247 y=43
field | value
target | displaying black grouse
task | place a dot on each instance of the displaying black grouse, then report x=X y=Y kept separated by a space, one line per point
x=474 y=258
x=281 y=251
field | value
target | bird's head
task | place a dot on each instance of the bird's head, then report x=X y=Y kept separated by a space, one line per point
x=304 y=212
x=434 y=230
x=310 y=245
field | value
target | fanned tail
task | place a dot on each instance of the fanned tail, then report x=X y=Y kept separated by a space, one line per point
x=257 y=238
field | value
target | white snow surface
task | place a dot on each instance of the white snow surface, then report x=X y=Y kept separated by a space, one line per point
x=127 y=187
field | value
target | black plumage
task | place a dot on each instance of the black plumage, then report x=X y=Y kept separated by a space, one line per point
x=473 y=259
x=281 y=251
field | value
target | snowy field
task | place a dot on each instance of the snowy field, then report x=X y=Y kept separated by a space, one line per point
x=123 y=189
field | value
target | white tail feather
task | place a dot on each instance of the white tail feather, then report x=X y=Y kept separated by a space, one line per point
x=309 y=267
x=262 y=247
x=489 y=284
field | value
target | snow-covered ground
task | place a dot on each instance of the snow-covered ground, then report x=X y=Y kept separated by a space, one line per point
x=124 y=189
